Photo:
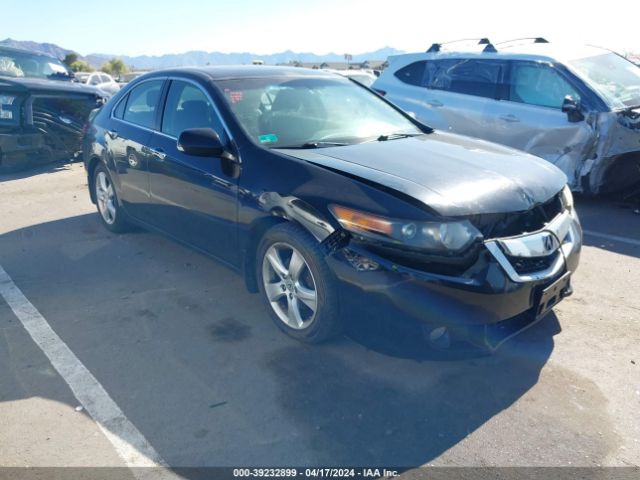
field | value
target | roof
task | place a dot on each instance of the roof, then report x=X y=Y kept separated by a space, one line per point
x=519 y=50
x=24 y=51
x=239 y=71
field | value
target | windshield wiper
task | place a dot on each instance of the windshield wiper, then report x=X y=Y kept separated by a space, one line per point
x=393 y=136
x=316 y=145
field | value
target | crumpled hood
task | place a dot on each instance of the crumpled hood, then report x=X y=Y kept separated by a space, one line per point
x=44 y=85
x=452 y=174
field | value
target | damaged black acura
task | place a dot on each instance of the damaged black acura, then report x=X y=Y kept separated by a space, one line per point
x=323 y=194
x=43 y=112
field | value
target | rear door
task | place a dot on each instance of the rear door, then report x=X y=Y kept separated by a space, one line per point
x=530 y=116
x=194 y=198
x=130 y=127
x=459 y=93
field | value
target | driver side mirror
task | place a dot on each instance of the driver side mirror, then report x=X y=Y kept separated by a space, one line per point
x=571 y=107
x=200 y=142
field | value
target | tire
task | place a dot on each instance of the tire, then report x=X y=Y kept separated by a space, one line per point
x=302 y=299
x=109 y=211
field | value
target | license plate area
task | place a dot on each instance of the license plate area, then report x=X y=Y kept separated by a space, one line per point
x=553 y=294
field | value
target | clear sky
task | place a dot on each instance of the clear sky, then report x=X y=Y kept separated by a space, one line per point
x=139 y=27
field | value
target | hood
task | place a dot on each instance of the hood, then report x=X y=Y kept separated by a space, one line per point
x=49 y=86
x=452 y=174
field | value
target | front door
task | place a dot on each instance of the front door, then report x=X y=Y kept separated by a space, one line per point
x=530 y=117
x=193 y=198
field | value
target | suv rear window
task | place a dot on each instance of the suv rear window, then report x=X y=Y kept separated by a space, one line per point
x=480 y=78
x=413 y=74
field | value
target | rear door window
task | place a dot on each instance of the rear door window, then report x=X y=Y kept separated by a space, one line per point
x=470 y=76
x=118 y=112
x=538 y=84
x=412 y=74
x=143 y=103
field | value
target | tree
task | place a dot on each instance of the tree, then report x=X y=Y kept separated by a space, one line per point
x=70 y=59
x=115 y=67
x=80 y=66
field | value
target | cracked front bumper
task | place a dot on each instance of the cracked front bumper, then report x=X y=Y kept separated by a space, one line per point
x=489 y=292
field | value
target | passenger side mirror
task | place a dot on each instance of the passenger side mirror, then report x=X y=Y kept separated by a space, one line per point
x=571 y=107
x=200 y=142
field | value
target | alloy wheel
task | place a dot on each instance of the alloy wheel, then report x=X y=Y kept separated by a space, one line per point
x=289 y=285
x=106 y=198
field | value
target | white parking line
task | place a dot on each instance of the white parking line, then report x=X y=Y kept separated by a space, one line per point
x=615 y=238
x=127 y=440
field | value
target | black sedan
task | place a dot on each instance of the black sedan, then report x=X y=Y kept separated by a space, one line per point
x=321 y=193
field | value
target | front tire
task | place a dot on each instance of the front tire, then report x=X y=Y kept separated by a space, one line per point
x=296 y=284
x=111 y=214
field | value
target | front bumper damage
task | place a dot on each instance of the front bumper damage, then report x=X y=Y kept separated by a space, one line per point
x=505 y=291
x=50 y=128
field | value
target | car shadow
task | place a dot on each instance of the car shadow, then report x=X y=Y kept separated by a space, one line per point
x=194 y=362
x=610 y=224
x=51 y=167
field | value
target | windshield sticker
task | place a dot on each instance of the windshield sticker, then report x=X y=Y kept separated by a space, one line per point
x=270 y=138
x=235 y=97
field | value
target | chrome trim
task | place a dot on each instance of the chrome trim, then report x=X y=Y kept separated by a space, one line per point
x=540 y=243
x=564 y=228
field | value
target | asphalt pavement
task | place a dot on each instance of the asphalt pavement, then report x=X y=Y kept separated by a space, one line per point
x=195 y=366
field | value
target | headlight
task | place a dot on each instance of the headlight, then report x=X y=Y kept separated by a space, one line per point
x=566 y=198
x=436 y=237
x=7 y=108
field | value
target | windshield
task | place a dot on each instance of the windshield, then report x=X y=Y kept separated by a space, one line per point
x=23 y=64
x=613 y=77
x=312 y=112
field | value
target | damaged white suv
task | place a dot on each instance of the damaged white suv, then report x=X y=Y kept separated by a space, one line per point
x=577 y=107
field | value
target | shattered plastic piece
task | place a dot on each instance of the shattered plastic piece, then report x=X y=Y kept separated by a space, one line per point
x=79 y=408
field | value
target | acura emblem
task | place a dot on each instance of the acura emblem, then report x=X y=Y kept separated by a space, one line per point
x=548 y=243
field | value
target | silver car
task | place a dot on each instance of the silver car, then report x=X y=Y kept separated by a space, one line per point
x=577 y=107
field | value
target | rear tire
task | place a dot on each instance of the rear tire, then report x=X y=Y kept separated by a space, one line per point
x=296 y=285
x=110 y=213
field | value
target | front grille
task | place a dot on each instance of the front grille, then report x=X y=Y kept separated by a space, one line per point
x=516 y=223
x=528 y=265
x=63 y=121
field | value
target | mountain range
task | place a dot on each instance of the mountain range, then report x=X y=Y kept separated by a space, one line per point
x=146 y=62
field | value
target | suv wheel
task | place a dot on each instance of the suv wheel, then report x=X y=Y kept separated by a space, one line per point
x=296 y=284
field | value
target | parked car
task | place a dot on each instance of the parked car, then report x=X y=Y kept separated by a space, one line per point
x=577 y=107
x=321 y=193
x=125 y=78
x=100 y=80
x=42 y=111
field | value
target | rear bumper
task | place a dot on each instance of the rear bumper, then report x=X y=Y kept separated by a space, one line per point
x=472 y=305
x=23 y=150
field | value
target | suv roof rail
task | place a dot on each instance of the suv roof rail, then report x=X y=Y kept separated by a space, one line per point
x=435 y=47
x=533 y=40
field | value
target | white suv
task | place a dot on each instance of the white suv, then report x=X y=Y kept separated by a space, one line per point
x=577 y=107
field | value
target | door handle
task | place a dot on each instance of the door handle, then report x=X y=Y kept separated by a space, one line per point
x=113 y=134
x=509 y=118
x=158 y=153
x=435 y=103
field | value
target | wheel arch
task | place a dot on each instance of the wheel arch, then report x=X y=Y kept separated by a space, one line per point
x=91 y=168
x=255 y=233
